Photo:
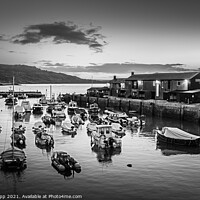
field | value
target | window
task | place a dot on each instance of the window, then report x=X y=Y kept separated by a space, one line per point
x=135 y=85
x=178 y=83
x=122 y=85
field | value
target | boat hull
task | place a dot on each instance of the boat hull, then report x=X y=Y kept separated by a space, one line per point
x=163 y=139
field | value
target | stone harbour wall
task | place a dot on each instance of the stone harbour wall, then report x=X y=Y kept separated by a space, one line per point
x=158 y=108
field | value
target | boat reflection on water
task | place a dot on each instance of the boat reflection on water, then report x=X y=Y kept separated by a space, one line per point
x=170 y=150
x=47 y=148
x=67 y=174
x=104 y=155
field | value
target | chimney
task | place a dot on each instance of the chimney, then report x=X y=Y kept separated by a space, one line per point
x=114 y=78
x=132 y=73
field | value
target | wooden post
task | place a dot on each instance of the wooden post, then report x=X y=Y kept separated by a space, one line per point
x=181 y=112
x=120 y=102
x=141 y=107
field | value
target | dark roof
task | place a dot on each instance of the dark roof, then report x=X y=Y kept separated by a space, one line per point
x=98 y=88
x=163 y=76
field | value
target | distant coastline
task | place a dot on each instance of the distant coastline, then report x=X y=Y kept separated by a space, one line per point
x=25 y=74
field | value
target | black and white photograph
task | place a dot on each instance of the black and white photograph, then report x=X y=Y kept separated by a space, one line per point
x=100 y=99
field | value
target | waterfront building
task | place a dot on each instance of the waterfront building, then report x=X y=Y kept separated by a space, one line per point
x=180 y=87
x=117 y=87
x=98 y=91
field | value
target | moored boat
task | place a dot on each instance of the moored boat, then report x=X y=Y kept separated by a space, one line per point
x=72 y=107
x=62 y=161
x=48 y=120
x=103 y=137
x=176 y=136
x=42 y=139
x=19 y=113
x=26 y=105
x=58 y=112
x=76 y=120
x=91 y=127
x=118 y=129
x=93 y=108
x=37 y=108
x=38 y=127
x=10 y=100
x=13 y=158
x=68 y=128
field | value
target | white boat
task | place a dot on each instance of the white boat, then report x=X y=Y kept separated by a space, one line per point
x=135 y=121
x=76 y=120
x=19 y=112
x=58 y=112
x=27 y=106
x=176 y=136
x=118 y=129
x=93 y=108
x=68 y=128
x=38 y=126
x=91 y=127
x=13 y=158
x=103 y=137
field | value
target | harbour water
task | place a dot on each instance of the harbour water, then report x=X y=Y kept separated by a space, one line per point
x=156 y=173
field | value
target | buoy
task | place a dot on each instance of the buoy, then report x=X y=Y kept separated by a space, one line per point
x=129 y=165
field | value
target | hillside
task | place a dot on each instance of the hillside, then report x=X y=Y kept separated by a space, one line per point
x=31 y=75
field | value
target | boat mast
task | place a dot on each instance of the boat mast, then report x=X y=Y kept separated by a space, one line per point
x=13 y=114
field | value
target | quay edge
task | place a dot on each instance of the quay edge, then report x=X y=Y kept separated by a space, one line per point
x=158 y=108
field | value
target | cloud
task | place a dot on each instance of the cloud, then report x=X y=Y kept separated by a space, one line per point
x=117 y=68
x=60 y=32
x=3 y=38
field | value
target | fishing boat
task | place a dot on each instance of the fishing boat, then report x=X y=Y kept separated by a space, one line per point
x=103 y=137
x=68 y=128
x=93 y=108
x=37 y=108
x=176 y=136
x=62 y=162
x=58 y=112
x=72 y=107
x=13 y=157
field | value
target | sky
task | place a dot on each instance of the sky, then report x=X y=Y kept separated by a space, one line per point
x=101 y=38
